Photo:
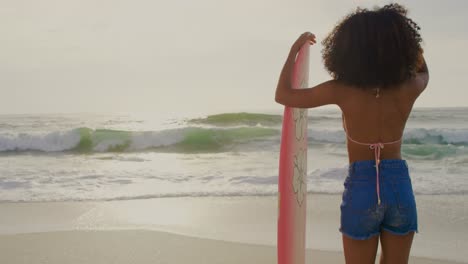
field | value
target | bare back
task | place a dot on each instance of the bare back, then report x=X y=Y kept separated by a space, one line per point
x=376 y=119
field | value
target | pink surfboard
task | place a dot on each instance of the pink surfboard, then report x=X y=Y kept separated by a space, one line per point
x=292 y=183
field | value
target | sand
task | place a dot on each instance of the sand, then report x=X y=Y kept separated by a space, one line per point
x=203 y=230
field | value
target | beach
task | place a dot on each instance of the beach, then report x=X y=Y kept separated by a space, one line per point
x=137 y=132
x=203 y=230
x=115 y=188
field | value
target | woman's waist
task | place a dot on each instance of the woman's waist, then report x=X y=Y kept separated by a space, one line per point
x=384 y=163
x=388 y=169
x=359 y=153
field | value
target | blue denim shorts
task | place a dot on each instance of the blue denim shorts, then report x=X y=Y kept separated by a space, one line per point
x=361 y=215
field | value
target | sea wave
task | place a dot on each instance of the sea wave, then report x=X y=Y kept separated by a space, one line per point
x=232 y=119
x=432 y=143
x=87 y=140
x=255 y=119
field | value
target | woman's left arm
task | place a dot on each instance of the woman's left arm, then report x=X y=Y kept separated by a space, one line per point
x=322 y=94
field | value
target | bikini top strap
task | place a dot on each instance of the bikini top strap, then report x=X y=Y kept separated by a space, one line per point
x=365 y=144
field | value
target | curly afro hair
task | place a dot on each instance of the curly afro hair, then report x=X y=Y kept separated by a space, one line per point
x=374 y=48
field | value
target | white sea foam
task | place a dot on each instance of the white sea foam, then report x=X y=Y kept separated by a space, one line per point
x=51 y=141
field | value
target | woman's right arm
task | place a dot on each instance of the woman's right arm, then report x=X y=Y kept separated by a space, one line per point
x=422 y=76
x=419 y=83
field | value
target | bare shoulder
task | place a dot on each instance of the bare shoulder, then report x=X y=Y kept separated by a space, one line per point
x=344 y=93
x=338 y=89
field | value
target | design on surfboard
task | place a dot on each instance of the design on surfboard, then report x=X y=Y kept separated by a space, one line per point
x=300 y=121
x=299 y=176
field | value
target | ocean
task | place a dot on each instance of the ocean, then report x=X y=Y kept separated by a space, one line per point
x=95 y=157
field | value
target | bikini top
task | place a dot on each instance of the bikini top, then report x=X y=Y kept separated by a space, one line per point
x=376 y=147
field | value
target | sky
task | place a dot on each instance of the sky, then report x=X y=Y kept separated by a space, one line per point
x=64 y=56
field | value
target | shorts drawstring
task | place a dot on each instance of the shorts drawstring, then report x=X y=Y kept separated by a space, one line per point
x=377 y=147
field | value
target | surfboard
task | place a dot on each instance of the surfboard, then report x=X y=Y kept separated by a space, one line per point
x=292 y=182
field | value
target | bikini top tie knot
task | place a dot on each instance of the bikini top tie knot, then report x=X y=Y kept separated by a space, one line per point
x=376 y=145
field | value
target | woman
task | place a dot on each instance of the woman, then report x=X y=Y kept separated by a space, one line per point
x=378 y=70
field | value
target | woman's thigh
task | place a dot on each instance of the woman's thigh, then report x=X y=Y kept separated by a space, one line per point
x=395 y=248
x=360 y=251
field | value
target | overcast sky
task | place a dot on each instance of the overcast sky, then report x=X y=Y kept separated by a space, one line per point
x=190 y=56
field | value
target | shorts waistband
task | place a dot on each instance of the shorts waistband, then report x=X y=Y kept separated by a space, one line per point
x=385 y=163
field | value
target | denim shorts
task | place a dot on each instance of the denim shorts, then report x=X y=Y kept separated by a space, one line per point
x=361 y=215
